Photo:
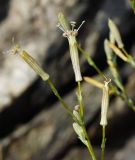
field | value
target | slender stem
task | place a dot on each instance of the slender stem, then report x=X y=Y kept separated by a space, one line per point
x=128 y=101
x=131 y=60
x=89 y=146
x=103 y=143
x=122 y=94
x=65 y=106
x=80 y=101
x=91 y=62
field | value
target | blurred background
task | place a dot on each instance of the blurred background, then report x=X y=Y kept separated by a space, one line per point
x=33 y=125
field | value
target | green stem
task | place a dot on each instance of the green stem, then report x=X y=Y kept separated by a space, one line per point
x=89 y=146
x=65 y=106
x=131 y=60
x=128 y=101
x=91 y=62
x=124 y=97
x=103 y=144
x=80 y=101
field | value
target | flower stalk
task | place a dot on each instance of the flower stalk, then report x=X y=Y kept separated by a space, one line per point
x=103 y=143
x=70 y=33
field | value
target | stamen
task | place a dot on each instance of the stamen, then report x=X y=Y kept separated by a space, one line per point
x=73 y=23
x=80 y=25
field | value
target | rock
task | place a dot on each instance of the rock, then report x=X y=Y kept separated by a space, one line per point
x=38 y=32
x=127 y=152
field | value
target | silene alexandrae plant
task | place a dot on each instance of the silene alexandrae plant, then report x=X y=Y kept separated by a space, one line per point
x=107 y=88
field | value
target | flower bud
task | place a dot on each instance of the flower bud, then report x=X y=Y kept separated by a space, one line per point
x=30 y=61
x=79 y=131
x=34 y=65
x=115 y=33
x=118 y=52
x=105 y=103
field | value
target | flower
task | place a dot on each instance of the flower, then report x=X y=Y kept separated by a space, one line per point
x=70 y=33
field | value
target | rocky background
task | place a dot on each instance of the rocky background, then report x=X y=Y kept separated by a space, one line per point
x=33 y=126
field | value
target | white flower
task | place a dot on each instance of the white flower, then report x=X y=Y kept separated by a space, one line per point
x=70 y=34
x=105 y=103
